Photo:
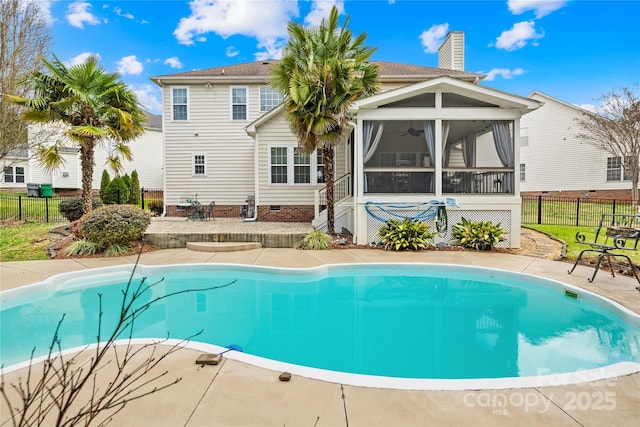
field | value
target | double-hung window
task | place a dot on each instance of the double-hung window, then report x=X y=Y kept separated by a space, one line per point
x=301 y=167
x=14 y=174
x=199 y=165
x=616 y=170
x=523 y=171
x=239 y=103
x=279 y=173
x=289 y=165
x=179 y=98
x=269 y=99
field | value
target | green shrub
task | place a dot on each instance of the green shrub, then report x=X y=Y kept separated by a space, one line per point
x=405 y=234
x=114 y=225
x=134 y=189
x=71 y=209
x=83 y=247
x=110 y=195
x=316 y=240
x=156 y=207
x=127 y=180
x=104 y=183
x=478 y=235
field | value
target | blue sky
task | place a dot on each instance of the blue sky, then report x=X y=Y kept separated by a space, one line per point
x=574 y=50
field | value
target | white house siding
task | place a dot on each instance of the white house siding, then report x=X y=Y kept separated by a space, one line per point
x=276 y=132
x=555 y=160
x=146 y=154
x=209 y=130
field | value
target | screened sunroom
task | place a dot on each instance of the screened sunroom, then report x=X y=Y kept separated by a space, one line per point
x=477 y=156
x=437 y=140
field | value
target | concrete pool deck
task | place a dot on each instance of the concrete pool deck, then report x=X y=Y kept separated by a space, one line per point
x=235 y=393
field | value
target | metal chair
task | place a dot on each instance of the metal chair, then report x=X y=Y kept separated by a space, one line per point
x=209 y=214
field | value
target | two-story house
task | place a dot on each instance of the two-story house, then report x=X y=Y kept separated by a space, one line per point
x=23 y=166
x=554 y=161
x=430 y=133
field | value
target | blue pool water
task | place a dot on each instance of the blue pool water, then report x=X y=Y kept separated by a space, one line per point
x=397 y=320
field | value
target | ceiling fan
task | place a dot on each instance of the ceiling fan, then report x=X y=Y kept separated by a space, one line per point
x=413 y=131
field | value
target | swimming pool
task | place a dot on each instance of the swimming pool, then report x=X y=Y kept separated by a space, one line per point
x=399 y=321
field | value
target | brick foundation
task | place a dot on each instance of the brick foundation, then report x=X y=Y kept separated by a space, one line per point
x=221 y=211
x=282 y=213
x=592 y=194
x=286 y=213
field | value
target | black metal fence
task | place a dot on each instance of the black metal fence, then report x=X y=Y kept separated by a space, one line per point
x=546 y=210
x=20 y=207
x=578 y=211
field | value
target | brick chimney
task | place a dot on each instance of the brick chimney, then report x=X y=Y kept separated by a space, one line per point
x=451 y=52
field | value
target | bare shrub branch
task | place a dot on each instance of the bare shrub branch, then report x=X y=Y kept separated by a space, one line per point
x=67 y=390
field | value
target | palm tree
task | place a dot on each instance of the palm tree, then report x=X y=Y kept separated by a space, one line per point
x=92 y=106
x=322 y=71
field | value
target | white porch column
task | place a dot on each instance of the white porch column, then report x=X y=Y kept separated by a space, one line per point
x=359 y=214
x=437 y=162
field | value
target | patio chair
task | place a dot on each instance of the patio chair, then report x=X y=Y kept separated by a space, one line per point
x=209 y=214
x=197 y=210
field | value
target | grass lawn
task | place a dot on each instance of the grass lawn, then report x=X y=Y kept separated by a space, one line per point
x=23 y=242
x=568 y=235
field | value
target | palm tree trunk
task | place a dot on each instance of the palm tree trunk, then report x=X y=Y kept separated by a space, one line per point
x=86 y=159
x=327 y=158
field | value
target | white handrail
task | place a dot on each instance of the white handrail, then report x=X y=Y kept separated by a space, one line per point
x=341 y=191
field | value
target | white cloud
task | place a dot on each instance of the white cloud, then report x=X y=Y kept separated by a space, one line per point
x=540 y=7
x=129 y=65
x=433 y=37
x=320 y=9
x=590 y=107
x=81 y=58
x=518 y=36
x=78 y=14
x=272 y=49
x=266 y=21
x=118 y=12
x=505 y=73
x=143 y=21
x=232 y=51
x=173 y=62
x=149 y=97
x=44 y=7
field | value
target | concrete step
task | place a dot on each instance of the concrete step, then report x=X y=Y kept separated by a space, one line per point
x=222 y=246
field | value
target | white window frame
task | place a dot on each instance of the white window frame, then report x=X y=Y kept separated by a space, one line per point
x=173 y=114
x=621 y=171
x=14 y=174
x=523 y=172
x=194 y=164
x=246 y=103
x=313 y=165
x=269 y=107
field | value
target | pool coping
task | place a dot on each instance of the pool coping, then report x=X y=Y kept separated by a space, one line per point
x=578 y=377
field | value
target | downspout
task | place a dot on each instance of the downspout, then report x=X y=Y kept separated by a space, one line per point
x=164 y=153
x=256 y=180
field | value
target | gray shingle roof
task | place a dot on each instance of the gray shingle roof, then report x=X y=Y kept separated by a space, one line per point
x=152 y=121
x=261 y=69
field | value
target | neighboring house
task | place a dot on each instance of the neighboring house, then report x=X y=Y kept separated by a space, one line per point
x=553 y=161
x=430 y=133
x=23 y=167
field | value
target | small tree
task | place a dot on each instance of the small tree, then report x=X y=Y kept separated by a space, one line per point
x=116 y=192
x=615 y=128
x=104 y=183
x=134 y=189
